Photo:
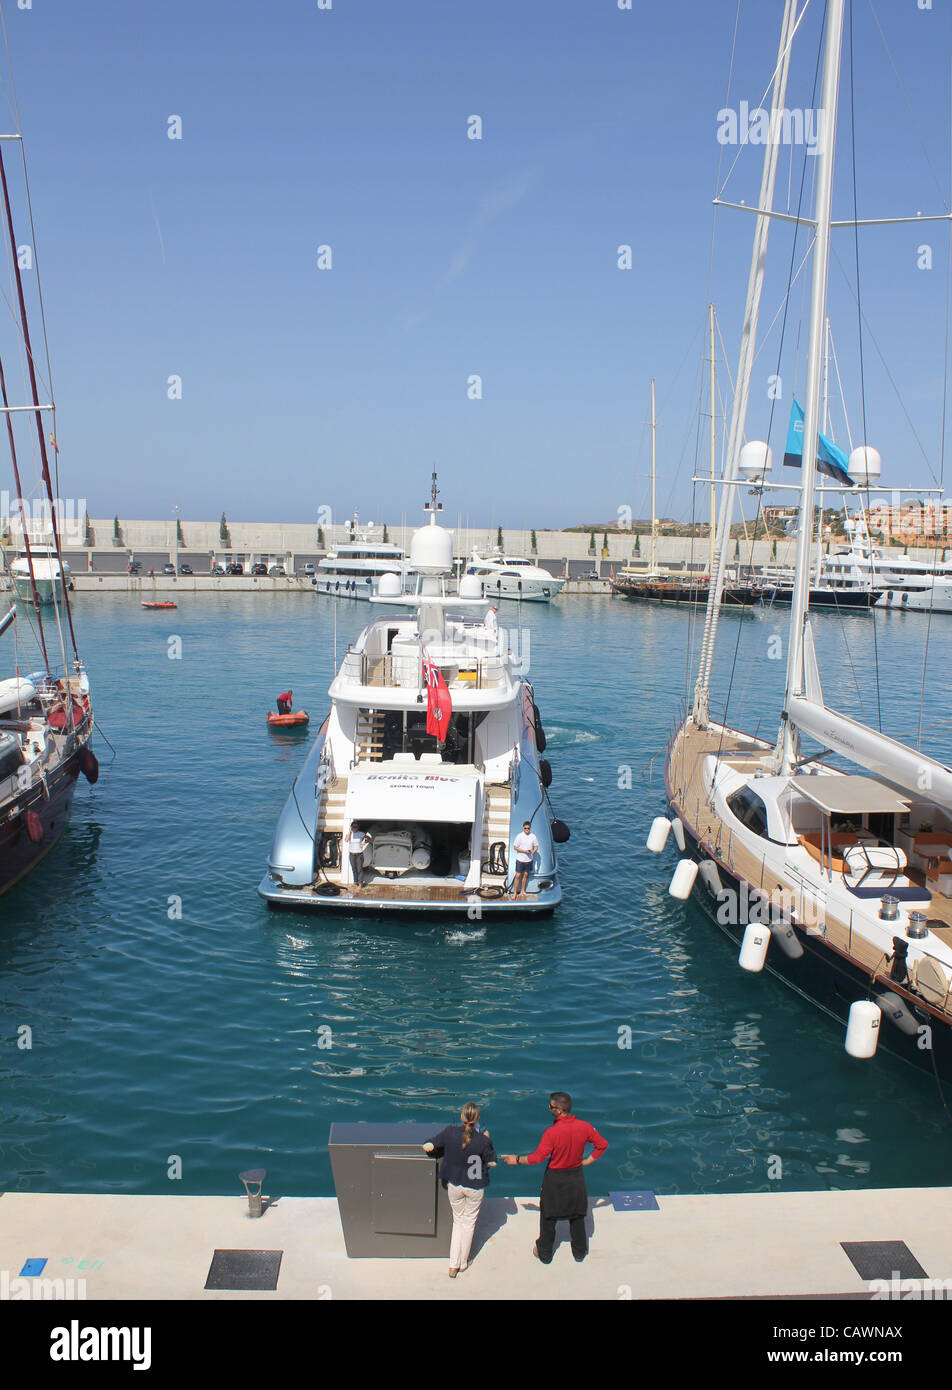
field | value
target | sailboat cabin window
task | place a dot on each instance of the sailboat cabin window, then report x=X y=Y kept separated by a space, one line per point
x=747 y=806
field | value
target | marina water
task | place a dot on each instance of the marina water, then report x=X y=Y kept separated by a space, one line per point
x=173 y=1016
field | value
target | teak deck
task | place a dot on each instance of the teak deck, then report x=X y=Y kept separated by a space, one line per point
x=688 y=751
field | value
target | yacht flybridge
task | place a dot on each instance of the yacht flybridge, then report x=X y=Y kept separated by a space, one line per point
x=839 y=882
x=427 y=766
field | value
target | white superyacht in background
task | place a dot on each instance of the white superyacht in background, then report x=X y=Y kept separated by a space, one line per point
x=354 y=568
x=906 y=583
x=438 y=815
x=40 y=572
x=510 y=576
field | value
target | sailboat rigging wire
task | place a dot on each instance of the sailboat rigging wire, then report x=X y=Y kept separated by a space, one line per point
x=39 y=425
x=720 y=157
x=770 y=82
x=871 y=336
x=909 y=109
x=773 y=401
x=935 y=532
x=862 y=374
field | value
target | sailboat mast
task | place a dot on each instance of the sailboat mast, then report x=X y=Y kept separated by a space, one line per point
x=788 y=743
x=710 y=560
x=735 y=437
x=651 y=565
x=25 y=330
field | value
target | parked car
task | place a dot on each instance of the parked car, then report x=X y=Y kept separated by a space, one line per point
x=135 y=566
x=259 y=569
x=185 y=569
x=236 y=568
x=591 y=574
x=168 y=569
x=277 y=571
x=308 y=570
x=218 y=569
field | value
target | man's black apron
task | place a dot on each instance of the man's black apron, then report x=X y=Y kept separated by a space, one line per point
x=564 y=1196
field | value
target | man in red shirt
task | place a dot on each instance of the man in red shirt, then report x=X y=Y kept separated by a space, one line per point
x=564 y=1197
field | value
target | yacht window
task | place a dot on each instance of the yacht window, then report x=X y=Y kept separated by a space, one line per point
x=747 y=806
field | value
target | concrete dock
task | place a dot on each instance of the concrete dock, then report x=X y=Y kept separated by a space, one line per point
x=750 y=1246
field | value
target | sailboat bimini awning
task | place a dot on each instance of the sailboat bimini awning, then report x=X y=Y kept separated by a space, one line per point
x=849 y=795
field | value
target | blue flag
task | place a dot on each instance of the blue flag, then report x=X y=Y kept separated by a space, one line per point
x=830 y=460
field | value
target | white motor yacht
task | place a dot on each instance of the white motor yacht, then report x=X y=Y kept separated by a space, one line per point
x=511 y=576
x=354 y=568
x=427 y=766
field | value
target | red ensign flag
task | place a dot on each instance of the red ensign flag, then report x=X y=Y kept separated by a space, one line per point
x=439 y=706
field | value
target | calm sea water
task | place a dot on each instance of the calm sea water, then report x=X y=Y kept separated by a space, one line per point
x=200 y=1035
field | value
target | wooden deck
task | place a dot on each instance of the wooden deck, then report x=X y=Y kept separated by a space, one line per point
x=689 y=795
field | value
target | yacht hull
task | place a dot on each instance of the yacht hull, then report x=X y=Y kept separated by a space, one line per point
x=18 y=853
x=823 y=975
x=856 y=600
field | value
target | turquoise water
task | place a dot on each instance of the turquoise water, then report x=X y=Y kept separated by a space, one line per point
x=200 y=1036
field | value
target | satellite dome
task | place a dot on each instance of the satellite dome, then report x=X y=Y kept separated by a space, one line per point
x=431 y=550
x=755 y=461
x=865 y=465
x=389 y=585
x=470 y=586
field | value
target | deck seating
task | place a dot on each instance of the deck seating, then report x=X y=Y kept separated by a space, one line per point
x=940 y=872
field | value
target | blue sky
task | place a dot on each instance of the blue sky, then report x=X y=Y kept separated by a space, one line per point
x=304 y=388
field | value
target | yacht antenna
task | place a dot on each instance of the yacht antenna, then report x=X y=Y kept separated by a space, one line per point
x=433 y=506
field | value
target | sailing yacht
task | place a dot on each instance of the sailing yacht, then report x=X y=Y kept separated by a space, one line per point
x=46 y=717
x=839 y=882
x=427 y=767
x=669 y=586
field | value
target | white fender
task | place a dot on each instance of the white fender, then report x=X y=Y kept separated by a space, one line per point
x=787 y=939
x=862 y=1031
x=894 y=1008
x=683 y=880
x=678 y=829
x=711 y=878
x=753 y=950
x=658 y=835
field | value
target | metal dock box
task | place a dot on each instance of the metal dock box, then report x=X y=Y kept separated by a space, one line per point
x=391 y=1201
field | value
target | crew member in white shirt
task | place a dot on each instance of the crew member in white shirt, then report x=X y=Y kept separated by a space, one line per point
x=358 y=842
x=527 y=847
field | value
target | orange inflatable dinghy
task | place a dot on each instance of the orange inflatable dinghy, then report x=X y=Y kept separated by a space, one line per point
x=285 y=721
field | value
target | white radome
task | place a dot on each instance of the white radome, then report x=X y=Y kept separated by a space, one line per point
x=431 y=550
x=865 y=465
x=756 y=460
